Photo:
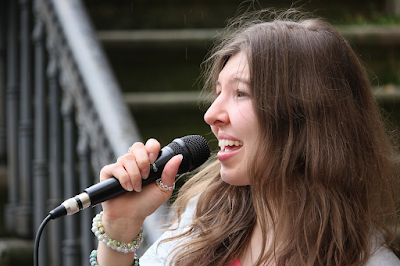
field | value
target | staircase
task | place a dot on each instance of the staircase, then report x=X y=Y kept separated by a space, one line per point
x=156 y=48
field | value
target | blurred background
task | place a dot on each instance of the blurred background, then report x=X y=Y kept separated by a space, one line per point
x=145 y=60
x=81 y=80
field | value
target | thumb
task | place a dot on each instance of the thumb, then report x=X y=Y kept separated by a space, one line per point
x=171 y=170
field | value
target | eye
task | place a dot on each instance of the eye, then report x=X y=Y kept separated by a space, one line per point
x=240 y=93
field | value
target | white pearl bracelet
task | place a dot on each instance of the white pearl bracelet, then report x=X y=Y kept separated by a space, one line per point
x=98 y=230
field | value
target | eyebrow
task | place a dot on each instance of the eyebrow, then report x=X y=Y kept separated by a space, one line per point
x=242 y=80
x=237 y=79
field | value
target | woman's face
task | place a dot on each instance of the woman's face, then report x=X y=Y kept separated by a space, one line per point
x=233 y=120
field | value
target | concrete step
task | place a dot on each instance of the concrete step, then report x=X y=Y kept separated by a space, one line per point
x=15 y=252
x=140 y=100
x=174 y=56
x=382 y=35
x=174 y=14
x=3 y=198
x=182 y=99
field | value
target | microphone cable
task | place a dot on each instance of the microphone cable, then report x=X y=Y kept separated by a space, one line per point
x=37 y=239
x=56 y=213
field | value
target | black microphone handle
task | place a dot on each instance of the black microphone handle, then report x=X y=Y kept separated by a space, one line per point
x=194 y=149
x=111 y=187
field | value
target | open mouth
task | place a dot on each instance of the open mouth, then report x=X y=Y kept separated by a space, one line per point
x=227 y=145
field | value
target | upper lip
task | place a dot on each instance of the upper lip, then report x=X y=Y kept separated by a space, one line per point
x=226 y=136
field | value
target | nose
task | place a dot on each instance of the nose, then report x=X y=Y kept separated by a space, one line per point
x=217 y=113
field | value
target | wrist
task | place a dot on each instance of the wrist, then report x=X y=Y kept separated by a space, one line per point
x=126 y=261
x=121 y=228
x=115 y=251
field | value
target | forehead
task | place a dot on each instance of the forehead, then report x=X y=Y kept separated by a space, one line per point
x=236 y=67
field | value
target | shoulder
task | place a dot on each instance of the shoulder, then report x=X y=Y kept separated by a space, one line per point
x=383 y=256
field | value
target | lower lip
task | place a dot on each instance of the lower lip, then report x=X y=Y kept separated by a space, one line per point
x=223 y=156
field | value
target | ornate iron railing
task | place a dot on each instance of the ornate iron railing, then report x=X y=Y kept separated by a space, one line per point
x=65 y=119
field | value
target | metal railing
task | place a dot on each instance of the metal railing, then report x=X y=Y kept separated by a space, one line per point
x=65 y=118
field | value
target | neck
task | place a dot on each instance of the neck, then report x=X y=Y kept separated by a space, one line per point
x=254 y=248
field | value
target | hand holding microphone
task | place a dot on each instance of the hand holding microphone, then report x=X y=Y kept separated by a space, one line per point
x=132 y=169
x=125 y=212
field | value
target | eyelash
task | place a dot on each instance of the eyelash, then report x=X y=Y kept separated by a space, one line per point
x=240 y=93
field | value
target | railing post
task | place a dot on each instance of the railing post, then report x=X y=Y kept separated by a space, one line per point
x=24 y=211
x=12 y=114
x=40 y=163
x=55 y=155
x=392 y=7
x=71 y=241
x=87 y=239
x=2 y=79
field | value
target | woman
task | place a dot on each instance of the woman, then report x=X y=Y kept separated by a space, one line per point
x=306 y=173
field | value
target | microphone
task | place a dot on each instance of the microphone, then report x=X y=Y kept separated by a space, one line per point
x=195 y=151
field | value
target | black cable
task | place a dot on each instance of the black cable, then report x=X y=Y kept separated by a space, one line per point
x=56 y=213
x=37 y=240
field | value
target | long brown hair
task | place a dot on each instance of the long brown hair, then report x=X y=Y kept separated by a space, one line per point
x=324 y=175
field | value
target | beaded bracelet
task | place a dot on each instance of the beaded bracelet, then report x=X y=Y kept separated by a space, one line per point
x=98 y=230
x=93 y=259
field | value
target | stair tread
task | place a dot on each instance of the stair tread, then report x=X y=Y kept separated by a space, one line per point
x=385 y=92
x=361 y=34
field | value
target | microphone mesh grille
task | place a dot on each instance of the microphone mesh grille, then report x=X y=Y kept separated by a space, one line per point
x=184 y=167
x=198 y=149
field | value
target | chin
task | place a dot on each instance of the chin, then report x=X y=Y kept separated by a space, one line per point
x=236 y=180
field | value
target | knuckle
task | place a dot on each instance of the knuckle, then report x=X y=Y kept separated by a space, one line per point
x=121 y=175
x=120 y=158
x=137 y=145
x=105 y=172
x=124 y=159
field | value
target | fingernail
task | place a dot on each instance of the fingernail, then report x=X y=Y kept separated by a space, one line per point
x=145 y=173
x=129 y=186
x=179 y=155
x=152 y=157
x=138 y=187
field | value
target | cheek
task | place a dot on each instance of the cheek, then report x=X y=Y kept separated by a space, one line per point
x=245 y=119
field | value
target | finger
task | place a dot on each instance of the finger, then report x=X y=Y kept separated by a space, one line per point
x=153 y=148
x=139 y=152
x=170 y=170
x=128 y=173
x=106 y=172
x=127 y=180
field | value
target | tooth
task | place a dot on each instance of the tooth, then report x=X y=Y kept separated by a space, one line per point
x=231 y=142
x=221 y=143
x=236 y=143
